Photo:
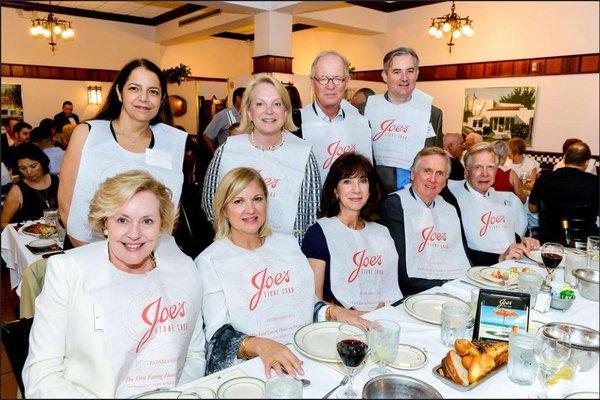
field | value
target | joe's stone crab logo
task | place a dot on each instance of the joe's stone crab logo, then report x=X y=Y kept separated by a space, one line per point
x=361 y=260
x=429 y=235
x=336 y=149
x=389 y=127
x=155 y=314
x=263 y=281
x=488 y=219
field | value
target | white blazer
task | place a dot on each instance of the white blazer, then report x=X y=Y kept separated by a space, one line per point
x=67 y=354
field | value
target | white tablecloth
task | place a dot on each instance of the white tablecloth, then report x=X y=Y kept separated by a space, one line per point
x=427 y=336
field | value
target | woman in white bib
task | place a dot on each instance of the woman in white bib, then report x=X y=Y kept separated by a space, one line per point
x=258 y=286
x=121 y=316
x=285 y=161
x=131 y=131
x=354 y=259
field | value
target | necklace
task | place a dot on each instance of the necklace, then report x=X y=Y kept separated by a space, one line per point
x=44 y=197
x=153 y=260
x=269 y=148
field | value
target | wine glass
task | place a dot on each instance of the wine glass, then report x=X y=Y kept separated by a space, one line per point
x=552 y=355
x=384 y=336
x=552 y=255
x=352 y=346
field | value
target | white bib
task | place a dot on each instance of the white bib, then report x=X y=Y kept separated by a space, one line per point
x=363 y=266
x=399 y=130
x=147 y=320
x=490 y=222
x=102 y=157
x=282 y=169
x=434 y=248
x=270 y=292
x=331 y=140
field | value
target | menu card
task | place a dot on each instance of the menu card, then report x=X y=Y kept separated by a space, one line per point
x=500 y=313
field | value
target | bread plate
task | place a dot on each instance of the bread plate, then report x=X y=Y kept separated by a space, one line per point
x=437 y=372
x=427 y=307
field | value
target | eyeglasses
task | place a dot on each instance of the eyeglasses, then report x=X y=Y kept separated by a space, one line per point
x=324 y=80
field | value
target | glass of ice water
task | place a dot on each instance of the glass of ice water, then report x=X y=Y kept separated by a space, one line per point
x=283 y=387
x=593 y=251
x=455 y=318
x=384 y=336
x=522 y=367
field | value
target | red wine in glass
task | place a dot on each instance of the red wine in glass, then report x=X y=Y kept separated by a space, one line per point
x=551 y=260
x=552 y=255
x=352 y=352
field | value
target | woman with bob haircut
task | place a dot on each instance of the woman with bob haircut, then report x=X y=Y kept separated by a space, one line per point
x=120 y=316
x=35 y=191
x=285 y=161
x=526 y=167
x=246 y=262
x=354 y=259
x=131 y=131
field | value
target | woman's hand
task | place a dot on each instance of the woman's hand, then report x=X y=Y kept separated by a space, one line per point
x=353 y=317
x=275 y=355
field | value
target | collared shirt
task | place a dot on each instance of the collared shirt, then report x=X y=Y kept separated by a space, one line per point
x=470 y=189
x=419 y=200
x=341 y=114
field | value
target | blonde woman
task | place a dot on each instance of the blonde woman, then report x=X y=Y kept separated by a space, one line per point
x=285 y=161
x=121 y=316
x=258 y=286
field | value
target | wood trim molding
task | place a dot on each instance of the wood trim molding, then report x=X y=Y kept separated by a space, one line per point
x=72 y=73
x=541 y=66
x=269 y=63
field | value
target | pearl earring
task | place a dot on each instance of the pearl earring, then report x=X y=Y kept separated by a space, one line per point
x=105 y=231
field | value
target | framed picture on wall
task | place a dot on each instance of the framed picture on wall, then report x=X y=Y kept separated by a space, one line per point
x=12 y=102
x=500 y=113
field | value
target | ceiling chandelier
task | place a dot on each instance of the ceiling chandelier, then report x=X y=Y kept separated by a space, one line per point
x=52 y=29
x=453 y=24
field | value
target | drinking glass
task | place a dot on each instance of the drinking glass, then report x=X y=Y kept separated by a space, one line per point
x=530 y=282
x=283 y=387
x=522 y=366
x=455 y=318
x=474 y=299
x=593 y=251
x=352 y=346
x=574 y=259
x=384 y=337
x=552 y=255
x=552 y=355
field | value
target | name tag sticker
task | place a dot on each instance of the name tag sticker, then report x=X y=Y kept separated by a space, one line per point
x=430 y=131
x=159 y=158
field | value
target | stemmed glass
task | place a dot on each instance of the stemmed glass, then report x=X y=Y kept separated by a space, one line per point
x=352 y=346
x=552 y=355
x=384 y=336
x=552 y=255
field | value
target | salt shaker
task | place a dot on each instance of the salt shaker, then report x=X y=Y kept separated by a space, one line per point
x=544 y=297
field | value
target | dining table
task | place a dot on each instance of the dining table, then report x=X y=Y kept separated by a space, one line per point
x=325 y=376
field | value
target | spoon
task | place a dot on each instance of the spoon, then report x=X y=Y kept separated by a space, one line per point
x=305 y=382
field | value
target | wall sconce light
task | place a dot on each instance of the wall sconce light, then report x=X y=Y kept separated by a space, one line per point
x=94 y=94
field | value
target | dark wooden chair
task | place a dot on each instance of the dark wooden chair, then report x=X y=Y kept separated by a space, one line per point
x=15 y=339
x=580 y=219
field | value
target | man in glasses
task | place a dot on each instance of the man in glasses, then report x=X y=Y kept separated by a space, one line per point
x=403 y=120
x=330 y=124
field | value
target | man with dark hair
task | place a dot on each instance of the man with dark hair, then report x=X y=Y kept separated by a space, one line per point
x=403 y=120
x=565 y=189
x=65 y=117
x=359 y=99
x=21 y=131
x=591 y=165
x=42 y=137
x=217 y=130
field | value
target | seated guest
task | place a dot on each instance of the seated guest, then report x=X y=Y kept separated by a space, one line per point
x=425 y=228
x=22 y=130
x=591 y=165
x=121 y=316
x=507 y=180
x=492 y=221
x=525 y=166
x=563 y=189
x=57 y=137
x=285 y=161
x=258 y=286
x=65 y=117
x=454 y=145
x=472 y=139
x=43 y=139
x=37 y=189
x=354 y=259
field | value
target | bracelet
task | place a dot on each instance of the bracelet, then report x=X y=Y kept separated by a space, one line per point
x=243 y=351
x=328 y=316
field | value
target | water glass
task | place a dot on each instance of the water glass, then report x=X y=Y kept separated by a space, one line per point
x=593 y=251
x=575 y=259
x=552 y=355
x=522 y=367
x=384 y=336
x=530 y=282
x=283 y=387
x=474 y=299
x=50 y=216
x=455 y=318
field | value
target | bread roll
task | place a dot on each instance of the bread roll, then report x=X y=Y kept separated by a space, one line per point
x=493 y=349
x=465 y=347
x=467 y=360
x=453 y=368
x=480 y=366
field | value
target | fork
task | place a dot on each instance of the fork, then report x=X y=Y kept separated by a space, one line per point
x=342 y=383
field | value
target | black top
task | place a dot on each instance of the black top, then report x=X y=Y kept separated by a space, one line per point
x=61 y=120
x=457 y=170
x=35 y=201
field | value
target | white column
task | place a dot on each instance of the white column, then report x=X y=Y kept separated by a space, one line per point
x=272 y=34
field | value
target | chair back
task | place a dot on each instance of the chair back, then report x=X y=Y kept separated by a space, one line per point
x=580 y=220
x=15 y=339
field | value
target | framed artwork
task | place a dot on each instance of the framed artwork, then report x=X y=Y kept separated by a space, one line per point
x=500 y=113
x=12 y=102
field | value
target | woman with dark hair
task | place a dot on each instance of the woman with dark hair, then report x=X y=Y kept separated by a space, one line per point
x=36 y=190
x=353 y=258
x=131 y=131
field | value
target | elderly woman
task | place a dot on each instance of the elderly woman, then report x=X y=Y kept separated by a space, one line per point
x=36 y=190
x=285 y=161
x=120 y=316
x=354 y=259
x=258 y=286
x=129 y=132
x=507 y=179
x=526 y=167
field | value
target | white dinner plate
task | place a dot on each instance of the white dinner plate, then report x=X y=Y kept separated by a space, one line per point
x=428 y=307
x=488 y=274
x=24 y=232
x=474 y=273
x=41 y=243
x=244 y=387
x=409 y=357
x=536 y=255
x=583 y=395
x=159 y=394
x=318 y=341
